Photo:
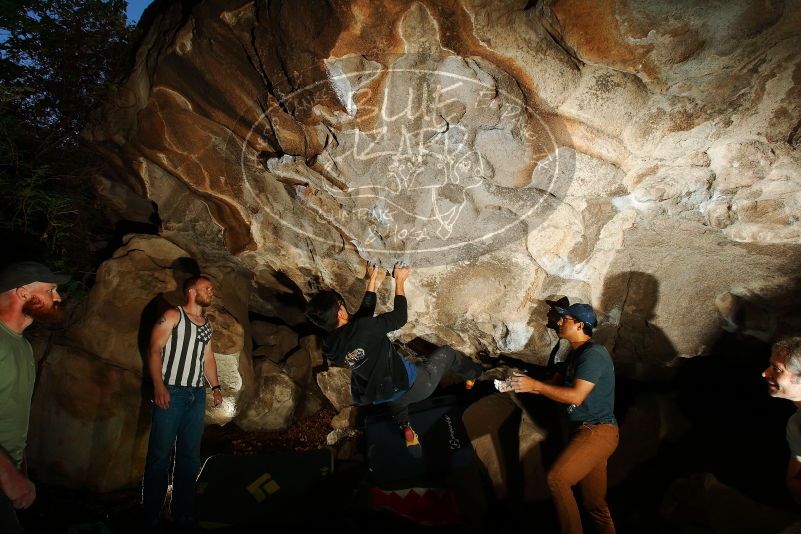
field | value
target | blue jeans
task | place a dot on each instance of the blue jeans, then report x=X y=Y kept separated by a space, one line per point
x=429 y=374
x=178 y=428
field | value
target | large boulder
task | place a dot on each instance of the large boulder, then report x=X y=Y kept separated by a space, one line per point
x=131 y=290
x=598 y=151
x=313 y=347
x=273 y=340
x=275 y=401
x=335 y=385
x=298 y=367
x=507 y=443
x=90 y=422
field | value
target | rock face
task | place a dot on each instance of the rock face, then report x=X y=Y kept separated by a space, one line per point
x=335 y=385
x=89 y=422
x=642 y=156
x=493 y=423
x=273 y=341
x=276 y=401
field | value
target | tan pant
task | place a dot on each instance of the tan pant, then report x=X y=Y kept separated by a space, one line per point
x=583 y=462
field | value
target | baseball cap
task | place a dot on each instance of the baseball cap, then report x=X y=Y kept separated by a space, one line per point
x=26 y=272
x=580 y=312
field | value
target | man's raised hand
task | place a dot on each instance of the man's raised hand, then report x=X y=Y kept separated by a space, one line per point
x=401 y=272
x=372 y=271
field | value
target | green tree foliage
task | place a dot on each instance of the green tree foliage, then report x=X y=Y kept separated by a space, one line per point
x=57 y=61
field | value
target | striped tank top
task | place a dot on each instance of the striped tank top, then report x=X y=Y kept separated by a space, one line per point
x=182 y=356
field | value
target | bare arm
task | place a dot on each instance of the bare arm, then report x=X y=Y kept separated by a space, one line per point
x=210 y=370
x=158 y=339
x=13 y=482
x=574 y=394
x=794 y=479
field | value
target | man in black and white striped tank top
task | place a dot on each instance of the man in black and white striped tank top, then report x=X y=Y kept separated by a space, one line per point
x=180 y=356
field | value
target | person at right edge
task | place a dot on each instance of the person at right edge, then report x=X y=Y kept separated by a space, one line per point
x=587 y=391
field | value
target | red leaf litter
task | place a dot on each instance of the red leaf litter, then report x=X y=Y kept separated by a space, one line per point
x=306 y=434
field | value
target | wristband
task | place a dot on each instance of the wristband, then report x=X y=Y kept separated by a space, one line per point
x=217 y=387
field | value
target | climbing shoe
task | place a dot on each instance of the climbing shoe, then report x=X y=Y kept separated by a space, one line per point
x=412 y=442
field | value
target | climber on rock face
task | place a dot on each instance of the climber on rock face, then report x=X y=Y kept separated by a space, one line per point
x=379 y=374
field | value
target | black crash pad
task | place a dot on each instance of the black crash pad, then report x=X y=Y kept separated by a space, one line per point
x=446 y=446
x=238 y=490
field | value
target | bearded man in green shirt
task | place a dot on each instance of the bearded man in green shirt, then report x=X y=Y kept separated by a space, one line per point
x=28 y=292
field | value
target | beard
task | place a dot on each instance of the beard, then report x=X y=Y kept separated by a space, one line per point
x=39 y=311
x=204 y=301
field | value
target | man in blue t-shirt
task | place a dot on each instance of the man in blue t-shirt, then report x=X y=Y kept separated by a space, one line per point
x=587 y=390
